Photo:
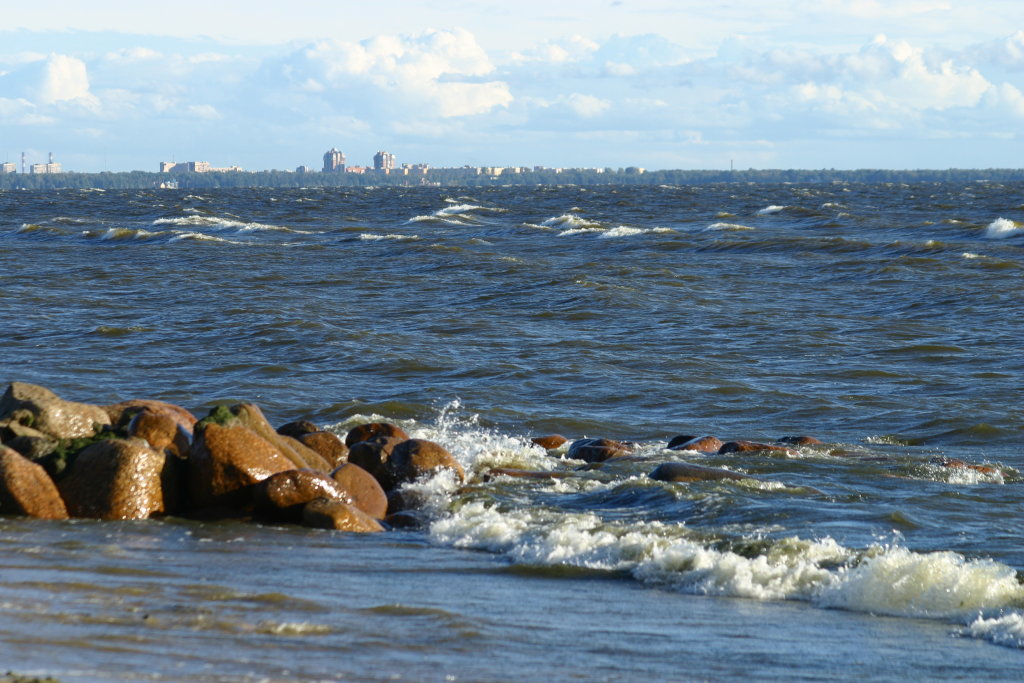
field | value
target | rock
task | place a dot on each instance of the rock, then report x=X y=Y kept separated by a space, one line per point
x=406 y=519
x=679 y=440
x=800 y=441
x=405 y=500
x=297 y=428
x=120 y=479
x=328 y=445
x=373 y=456
x=225 y=462
x=163 y=429
x=250 y=415
x=372 y=430
x=752 y=447
x=26 y=488
x=956 y=464
x=414 y=458
x=326 y=513
x=31 y=443
x=550 y=442
x=682 y=472
x=122 y=413
x=364 y=490
x=522 y=474
x=596 y=450
x=37 y=407
x=282 y=496
x=700 y=444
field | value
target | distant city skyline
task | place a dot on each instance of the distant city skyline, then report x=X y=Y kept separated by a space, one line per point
x=684 y=84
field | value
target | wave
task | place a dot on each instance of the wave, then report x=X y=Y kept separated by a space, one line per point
x=370 y=237
x=223 y=224
x=1001 y=228
x=579 y=231
x=570 y=220
x=200 y=237
x=728 y=226
x=774 y=208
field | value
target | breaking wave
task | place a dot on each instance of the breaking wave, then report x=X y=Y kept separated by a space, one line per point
x=1001 y=228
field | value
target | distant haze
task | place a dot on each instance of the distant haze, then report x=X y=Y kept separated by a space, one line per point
x=113 y=85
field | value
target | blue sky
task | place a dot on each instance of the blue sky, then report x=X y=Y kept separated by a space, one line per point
x=114 y=85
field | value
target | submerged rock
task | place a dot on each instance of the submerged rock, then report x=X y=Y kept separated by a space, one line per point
x=701 y=444
x=597 y=450
x=327 y=513
x=26 y=488
x=373 y=430
x=121 y=479
x=752 y=447
x=956 y=464
x=365 y=491
x=522 y=474
x=550 y=442
x=800 y=441
x=414 y=458
x=37 y=407
x=683 y=472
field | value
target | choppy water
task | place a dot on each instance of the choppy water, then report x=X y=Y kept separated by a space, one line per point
x=883 y=319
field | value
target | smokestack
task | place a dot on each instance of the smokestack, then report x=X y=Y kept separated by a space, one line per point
x=22 y=163
x=51 y=158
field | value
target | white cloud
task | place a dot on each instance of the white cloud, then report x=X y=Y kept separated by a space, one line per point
x=586 y=106
x=63 y=78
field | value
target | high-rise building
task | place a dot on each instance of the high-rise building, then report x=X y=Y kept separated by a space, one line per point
x=8 y=167
x=333 y=161
x=383 y=161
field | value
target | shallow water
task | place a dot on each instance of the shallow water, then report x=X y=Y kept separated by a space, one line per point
x=883 y=319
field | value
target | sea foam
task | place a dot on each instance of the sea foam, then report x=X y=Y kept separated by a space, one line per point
x=1001 y=228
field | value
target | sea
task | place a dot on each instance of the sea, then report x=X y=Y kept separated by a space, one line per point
x=884 y=319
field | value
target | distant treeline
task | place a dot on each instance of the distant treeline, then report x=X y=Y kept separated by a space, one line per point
x=469 y=178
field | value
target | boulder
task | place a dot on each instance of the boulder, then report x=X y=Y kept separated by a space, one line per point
x=415 y=458
x=328 y=513
x=372 y=430
x=406 y=519
x=122 y=413
x=550 y=442
x=31 y=443
x=597 y=450
x=957 y=464
x=680 y=439
x=522 y=474
x=37 y=407
x=163 y=429
x=682 y=472
x=120 y=479
x=328 y=445
x=282 y=496
x=373 y=456
x=225 y=462
x=250 y=415
x=297 y=428
x=800 y=441
x=26 y=488
x=364 y=490
x=752 y=447
x=701 y=444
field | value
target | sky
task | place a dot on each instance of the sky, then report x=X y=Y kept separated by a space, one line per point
x=688 y=84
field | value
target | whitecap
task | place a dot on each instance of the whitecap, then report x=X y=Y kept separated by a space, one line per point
x=579 y=231
x=1006 y=630
x=728 y=226
x=369 y=237
x=1001 y=228
x=571 y=220
x=622 y=231
x=774 y=208
x=221 y=224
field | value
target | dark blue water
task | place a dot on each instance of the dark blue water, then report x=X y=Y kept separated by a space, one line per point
x=882 y=319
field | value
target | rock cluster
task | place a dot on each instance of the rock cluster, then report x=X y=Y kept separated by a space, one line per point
x=142 y=458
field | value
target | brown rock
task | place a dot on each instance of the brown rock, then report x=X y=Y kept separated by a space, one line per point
x=31 y=443
x=365 y=491
x=550 y=442
x=26 y=488
x=282 y=496
x=752 y=447
x=328 y=445
x=226 y=461
x=120 y=479
x=680 y=439
x=297 y=428
x=522 y=474
x=597 y=450
x=250 y=415
x=682 y=472
x=415 y=458
x=957 y=464
x=406 y=519
x=122 y=413
x=37 y=407
x=163 y=429
x=800 y=440
x=701 y=444
x=372 y=430
x=373 y=456
x=326 y=513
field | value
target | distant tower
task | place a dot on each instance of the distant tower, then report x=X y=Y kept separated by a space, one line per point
x=51 y=158
x=23 y=163
x=383 y=161
x=333 y=161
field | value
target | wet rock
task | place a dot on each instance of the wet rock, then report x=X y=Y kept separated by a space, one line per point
x=31 y=443
x=328 y=445
x=679 y=440
x=225 y=462
x=250 y=416
x=373 y=457
x=405 y=500
x=800 y=441
x=26 y=488
x=297 y=428
x=611 y=462
x=122 y=413
x=37 y=407
x=163 y=429
x=414 y=458
x=282 y=496
x=752 y=447
x=683 y=472
x=373 y=430
x=406 y=519
x=120 y=479
x=550 y=442
x=326 y=513
x=522 y=474
x=597 y=450
x=701 y=444
x=957 y=464
x=364 y=490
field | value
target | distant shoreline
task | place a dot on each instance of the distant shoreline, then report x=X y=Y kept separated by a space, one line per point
x=137 y=180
